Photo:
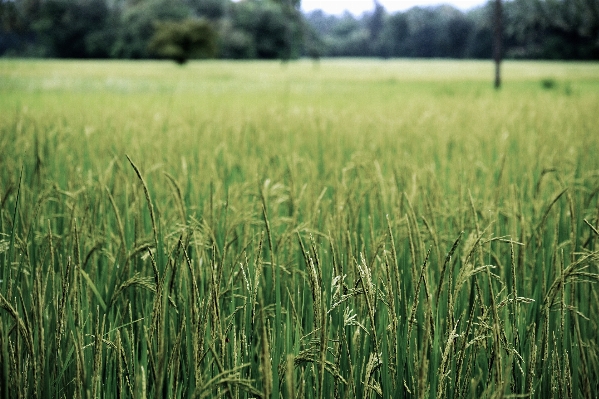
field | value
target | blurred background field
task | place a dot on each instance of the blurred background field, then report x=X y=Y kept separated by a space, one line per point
x=340 y=228
x=351 y=105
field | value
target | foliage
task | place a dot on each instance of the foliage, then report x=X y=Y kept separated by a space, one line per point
x=184 y=40
x=210 y=9
x=74 y=29
x=137 y=25
x=441 y=31
x=103 y=28
x=273 y=29
x=363 y=229
x=551 y=29
x=12 y=28
x=557 y=29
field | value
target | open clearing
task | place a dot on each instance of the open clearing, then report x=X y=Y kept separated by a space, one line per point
x=350 y=228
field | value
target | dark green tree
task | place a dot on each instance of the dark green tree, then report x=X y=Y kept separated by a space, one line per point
x=184 y=40
x=394 y=34
x=349 y=37
x=552 y=29
x=235 y=43
x=274 y=28
x=74 y=29
x=138 y=22
x=480 y=42
x=313 y=44
x=11 y=28
x=375 y=22
x=497 y=41
x=459 y=32
x=210 y=9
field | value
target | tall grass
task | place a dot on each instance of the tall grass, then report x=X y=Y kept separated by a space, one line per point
x=346 y=229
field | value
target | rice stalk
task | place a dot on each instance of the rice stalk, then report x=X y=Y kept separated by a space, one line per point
x=97 y=368
x=443 y=371
x=151 y=210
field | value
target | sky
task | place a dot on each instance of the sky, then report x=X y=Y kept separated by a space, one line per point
x=357 y=7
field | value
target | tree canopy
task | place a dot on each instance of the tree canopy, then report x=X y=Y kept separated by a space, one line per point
x=182 y=40
x=535 y=29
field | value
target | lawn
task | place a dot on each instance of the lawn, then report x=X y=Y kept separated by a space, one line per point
x=346 y=228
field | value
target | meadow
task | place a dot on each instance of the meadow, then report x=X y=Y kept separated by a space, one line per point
x=345 y=229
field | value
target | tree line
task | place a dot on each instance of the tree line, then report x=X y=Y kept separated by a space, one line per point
x=276 y=29
x=532 y=29
x=136 y=29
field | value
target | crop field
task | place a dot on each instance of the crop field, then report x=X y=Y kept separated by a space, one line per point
x=341 y=229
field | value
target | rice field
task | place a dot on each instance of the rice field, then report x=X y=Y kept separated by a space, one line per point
x=344 y=229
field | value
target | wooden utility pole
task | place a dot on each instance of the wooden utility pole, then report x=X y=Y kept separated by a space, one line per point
x=497 y=42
